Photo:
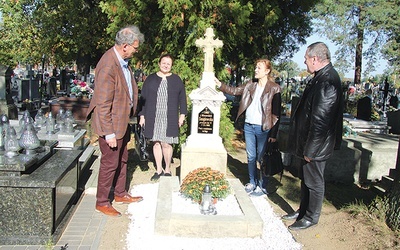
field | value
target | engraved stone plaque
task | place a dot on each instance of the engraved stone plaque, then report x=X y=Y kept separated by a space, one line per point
x=206 y=121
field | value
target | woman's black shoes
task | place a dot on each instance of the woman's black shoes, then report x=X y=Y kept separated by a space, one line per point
x=156 y=176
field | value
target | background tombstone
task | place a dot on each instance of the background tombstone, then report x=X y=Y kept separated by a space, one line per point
x=66 y=78
x=7 y=105
x=204 y=147
x=63 y=80
x=28 y=86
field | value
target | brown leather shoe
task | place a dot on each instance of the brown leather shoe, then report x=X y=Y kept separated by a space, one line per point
x=108 y=210
x=126 y=199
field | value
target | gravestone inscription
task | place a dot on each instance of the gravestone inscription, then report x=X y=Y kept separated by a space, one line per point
x=206 y=121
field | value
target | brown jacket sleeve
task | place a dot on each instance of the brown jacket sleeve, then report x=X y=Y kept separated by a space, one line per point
x=111 y=105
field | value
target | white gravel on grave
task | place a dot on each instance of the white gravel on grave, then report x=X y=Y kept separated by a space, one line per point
x=141 y=236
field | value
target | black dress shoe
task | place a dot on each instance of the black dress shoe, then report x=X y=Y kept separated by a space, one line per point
x=301 y=224
x=291 y=216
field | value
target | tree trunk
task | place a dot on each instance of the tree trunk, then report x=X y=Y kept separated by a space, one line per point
x=393 y=211
x=359 y=49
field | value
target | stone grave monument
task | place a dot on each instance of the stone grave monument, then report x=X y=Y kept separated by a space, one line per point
x=204 y=148
x=7 y=105
x=28 y=85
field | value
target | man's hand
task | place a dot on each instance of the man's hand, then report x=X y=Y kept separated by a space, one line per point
x=307 y=159
x=112 y=143
x=141 y=121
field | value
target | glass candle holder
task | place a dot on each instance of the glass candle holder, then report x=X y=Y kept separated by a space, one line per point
x=50 y=124
x=69 y=122
x=60 y=120
x=26 y=118
x=11 y=144
x=29 y=140
x=40 y=120
x=4 y=119
x=5 y=122
x=207 y=206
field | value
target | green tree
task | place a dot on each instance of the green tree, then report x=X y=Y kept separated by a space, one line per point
x=80 y=31
x=351 y=25
x=65 y=31
x=249 y=30
x=285 y=71
x=290 y=67
x=392 y=47
x=18 y=33
x=74 y=31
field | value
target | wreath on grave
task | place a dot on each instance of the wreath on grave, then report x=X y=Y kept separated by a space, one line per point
x=193 y=184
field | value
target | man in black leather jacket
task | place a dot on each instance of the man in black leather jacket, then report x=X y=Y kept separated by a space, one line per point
x=316 y=130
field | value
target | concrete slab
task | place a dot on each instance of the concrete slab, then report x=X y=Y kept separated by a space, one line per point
x=249 y=224
x=371 y=157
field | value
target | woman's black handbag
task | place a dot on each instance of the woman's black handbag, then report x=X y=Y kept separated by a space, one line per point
x=141 y=143
x=271 y=163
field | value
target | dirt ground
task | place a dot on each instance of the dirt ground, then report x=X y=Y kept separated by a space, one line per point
x=337 y=229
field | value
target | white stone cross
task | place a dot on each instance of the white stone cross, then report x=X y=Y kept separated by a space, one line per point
x=208 y=45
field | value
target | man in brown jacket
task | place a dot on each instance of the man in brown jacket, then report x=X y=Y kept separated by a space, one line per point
x=114 y=101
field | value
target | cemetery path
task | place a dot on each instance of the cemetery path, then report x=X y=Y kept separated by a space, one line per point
x=337 y=229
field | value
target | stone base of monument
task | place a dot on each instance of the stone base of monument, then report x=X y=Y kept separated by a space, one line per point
x=197 y=157
x=362 y=158
x=249 y=224
x=9 y=109
x=78 y=106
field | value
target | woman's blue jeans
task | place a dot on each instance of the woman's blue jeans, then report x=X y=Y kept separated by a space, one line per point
x=255 y=146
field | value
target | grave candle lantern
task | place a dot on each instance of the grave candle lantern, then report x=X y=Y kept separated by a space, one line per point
x=11 y=143
x=29 y=140
x=206 y=206
x=50 y=124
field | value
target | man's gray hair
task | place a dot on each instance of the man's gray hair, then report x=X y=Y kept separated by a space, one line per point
x=128 y=35
x=320 y=50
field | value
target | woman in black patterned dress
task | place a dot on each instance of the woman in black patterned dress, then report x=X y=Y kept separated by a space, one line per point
x=164 y=107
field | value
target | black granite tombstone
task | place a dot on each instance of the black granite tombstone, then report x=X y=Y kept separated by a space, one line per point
x=28 y=89
x=66 y=78
x=63 y=80
x=364 y=109
x=35 y=204
x=394 y=121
